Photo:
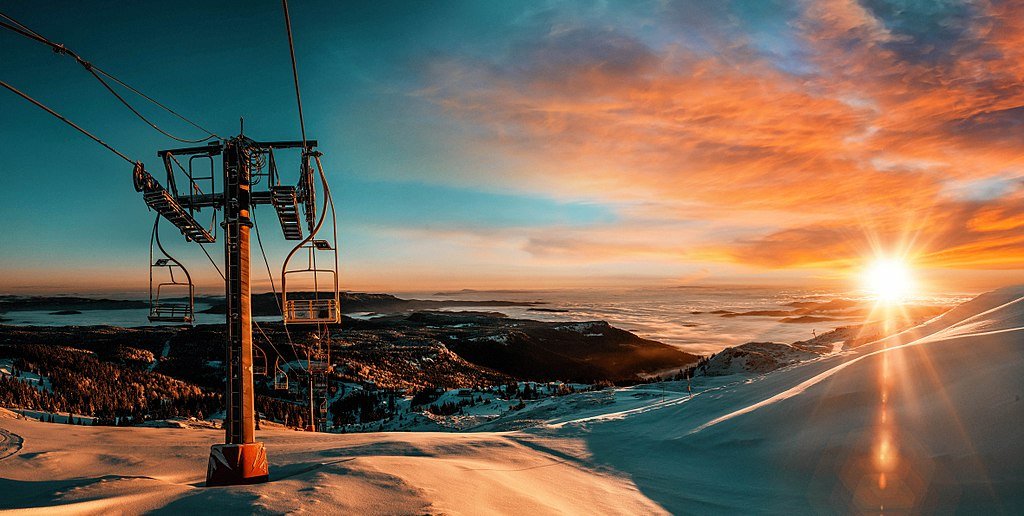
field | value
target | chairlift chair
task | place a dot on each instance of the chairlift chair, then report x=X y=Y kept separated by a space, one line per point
x=259 y=360
x=320 y=381
x=177 y=282
x=322 y=304
x=280 y=376
x=318 y=358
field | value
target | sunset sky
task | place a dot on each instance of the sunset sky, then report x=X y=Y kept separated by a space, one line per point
x=490 y=144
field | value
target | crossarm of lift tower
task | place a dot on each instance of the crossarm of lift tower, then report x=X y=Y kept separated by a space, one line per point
x=211 y=199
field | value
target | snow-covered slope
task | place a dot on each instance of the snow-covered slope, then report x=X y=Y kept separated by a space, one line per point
x=923 y=421
x=106 y=469
x=936 y=409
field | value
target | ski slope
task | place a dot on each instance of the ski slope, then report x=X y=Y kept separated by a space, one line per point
x=812 y=437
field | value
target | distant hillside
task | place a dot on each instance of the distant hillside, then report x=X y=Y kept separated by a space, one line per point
x=582 y=352
x=65 y=303
x=352 y=302
x=453 y=349
x=542 y=351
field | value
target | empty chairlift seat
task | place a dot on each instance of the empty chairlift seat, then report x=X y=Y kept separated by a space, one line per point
x=310 y=293
x=171 y=292
x=311 y=311
x=280 y=376
x=259 y=361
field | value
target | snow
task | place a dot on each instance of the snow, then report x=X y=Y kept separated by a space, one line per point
x=181 y=422
x=164 y=353
x=500 y=339
x=294 y=365
x=365 y=316
x=807 y=434
x=58 y=417
x=105 y=469
x=39 y=382
x=926 y=420
x=587 y=328
x=486 y=404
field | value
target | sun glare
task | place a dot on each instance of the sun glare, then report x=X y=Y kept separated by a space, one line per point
x=889 y=280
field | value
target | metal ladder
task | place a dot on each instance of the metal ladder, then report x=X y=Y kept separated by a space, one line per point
x=287 y=206
x=162 y=202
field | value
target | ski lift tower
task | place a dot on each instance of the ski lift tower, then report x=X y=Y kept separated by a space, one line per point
x=241 y=459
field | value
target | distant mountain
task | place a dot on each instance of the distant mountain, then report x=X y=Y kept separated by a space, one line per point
x=474 y=291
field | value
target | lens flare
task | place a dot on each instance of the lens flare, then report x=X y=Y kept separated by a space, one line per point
x=889 y=280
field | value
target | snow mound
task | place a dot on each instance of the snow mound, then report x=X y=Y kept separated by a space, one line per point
x=755 y=358
x=7 y=414
x=178 y=422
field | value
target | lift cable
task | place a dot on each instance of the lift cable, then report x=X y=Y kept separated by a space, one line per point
x=99 y=141
x=96 y=72
x=302 y=128
x=295 y=72
x=69 y=122
x=208 y=257
x=265 y=336
x=141 y=117
x=328 y=199
x=273 y=287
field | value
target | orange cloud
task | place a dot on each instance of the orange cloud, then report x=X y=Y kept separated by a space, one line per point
x=800 y=168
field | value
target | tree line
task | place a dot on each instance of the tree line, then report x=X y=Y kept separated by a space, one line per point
x=80 y=383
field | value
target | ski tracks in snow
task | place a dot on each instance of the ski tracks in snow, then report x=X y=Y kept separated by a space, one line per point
x=944 y=334
x=10 y=443
x=803 y=386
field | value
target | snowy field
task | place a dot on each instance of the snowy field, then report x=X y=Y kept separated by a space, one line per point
x=927 y=420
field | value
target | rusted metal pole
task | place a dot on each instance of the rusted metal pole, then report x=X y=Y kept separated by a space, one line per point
x=241 y=419
x=241 y=460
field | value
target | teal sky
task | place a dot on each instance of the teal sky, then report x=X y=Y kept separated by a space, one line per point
x=542 y=144
x=392 y=159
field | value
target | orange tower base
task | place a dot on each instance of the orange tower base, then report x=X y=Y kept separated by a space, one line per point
x=237 y=464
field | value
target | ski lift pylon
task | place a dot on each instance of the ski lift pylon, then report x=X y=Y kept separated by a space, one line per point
x=178 y=283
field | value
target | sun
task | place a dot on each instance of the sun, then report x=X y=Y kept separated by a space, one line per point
x=889 y=280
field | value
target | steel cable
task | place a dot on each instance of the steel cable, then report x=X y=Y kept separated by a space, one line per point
x=95 y=71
